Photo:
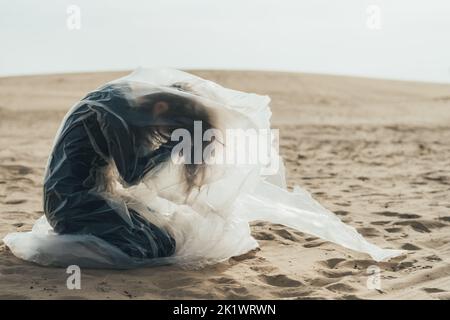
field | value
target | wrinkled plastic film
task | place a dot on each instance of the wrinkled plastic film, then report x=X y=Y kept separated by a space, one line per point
x=209 y=225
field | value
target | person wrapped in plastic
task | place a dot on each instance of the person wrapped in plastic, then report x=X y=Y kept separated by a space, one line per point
x=110 y=129
x=117 y=196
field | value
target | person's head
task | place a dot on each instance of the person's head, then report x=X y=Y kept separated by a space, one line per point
x=169 y=112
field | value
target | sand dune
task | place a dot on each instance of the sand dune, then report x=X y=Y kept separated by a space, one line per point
x=375 y=152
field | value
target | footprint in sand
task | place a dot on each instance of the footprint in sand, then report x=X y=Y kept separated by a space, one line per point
x=224 y=280
x=18 y=224
x=397 y=214
x=237 y=293
x=364 y=264
x=280 y=280
x=408 y=216
x=433 y=290
x=343 y=204
x=15 y=201
x=246 y=256
x=410 y=247
x=433 y=258
x=341 y=212
x=438 y=177
x=263 y=235
x=394 y=230
x=380 y=223
x=285 y=234
x=331 y=263
x=422 y=226
x=368 y=232
x=416 y=225
x=340 y=287
x=314 y=244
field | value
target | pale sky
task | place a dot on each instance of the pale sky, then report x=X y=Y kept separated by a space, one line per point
x=405 y=39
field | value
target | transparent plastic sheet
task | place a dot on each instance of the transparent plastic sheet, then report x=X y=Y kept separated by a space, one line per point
x=208 y=225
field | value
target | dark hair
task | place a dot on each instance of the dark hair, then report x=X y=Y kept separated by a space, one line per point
x=182 y=113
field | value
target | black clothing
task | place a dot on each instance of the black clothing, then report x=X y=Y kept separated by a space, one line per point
x=99 y=131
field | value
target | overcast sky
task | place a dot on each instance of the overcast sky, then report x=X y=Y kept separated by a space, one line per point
x=399 y=39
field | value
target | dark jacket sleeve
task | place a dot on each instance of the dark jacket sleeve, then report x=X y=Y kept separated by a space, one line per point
x=124 y=149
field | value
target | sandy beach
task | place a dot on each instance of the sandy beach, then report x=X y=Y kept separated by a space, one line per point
x=375 y=152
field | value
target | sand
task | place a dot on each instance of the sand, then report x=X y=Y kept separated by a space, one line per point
x=376 y=152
